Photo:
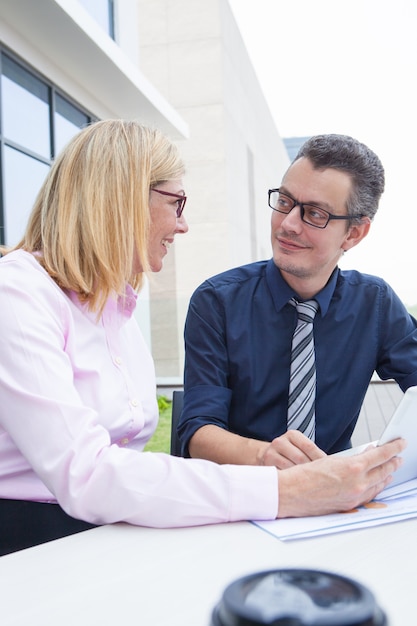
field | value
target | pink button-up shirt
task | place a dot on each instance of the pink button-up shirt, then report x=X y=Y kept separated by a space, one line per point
x=77 y=405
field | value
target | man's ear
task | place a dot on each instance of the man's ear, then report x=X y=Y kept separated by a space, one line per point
x=356 y=233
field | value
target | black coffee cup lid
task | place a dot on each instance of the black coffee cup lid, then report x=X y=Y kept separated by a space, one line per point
x=297 y=597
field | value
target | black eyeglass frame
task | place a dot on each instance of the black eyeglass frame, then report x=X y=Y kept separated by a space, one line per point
x=182 y=199
x=330 y=216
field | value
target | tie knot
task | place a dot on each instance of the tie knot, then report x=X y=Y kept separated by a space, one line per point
x=306 y=310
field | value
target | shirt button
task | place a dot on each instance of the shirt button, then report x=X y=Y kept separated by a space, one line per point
x=118 y=360
x=134 y=402
x=124 y=441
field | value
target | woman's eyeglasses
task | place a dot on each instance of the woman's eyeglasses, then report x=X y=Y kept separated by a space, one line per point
x=180 y=202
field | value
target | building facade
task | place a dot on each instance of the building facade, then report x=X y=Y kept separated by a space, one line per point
x=180 y=65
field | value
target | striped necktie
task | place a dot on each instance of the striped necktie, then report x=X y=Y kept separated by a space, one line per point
x=302 y=390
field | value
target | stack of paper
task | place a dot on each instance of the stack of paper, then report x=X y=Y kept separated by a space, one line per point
x=392 y=505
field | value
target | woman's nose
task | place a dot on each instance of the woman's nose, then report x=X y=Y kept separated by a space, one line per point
x=182 y=226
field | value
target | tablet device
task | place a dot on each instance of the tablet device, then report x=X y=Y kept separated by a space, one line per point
x=403 y=424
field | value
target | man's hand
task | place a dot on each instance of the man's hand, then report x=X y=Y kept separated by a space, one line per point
x=221 y=446
x=292 y=448
x=334 y=484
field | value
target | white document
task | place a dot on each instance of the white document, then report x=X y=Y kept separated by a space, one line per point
x=392 y=505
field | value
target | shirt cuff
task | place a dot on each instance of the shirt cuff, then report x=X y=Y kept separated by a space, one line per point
x=254 y=492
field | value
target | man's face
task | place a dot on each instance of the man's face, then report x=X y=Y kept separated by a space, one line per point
x=307 y=255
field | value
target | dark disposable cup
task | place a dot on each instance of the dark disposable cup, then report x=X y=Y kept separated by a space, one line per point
x=297 y=597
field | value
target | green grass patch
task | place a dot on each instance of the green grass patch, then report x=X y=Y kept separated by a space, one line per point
x=161 y=439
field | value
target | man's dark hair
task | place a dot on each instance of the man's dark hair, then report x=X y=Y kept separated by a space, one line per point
x=346 y=154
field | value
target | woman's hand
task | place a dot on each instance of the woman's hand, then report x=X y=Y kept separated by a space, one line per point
x=334 y=484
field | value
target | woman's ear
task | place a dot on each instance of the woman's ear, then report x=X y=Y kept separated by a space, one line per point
x=356 y=233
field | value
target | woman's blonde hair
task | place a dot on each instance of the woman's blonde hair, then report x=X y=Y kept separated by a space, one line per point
x=90 y=221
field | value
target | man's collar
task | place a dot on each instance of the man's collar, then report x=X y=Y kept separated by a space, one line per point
x=281 y=291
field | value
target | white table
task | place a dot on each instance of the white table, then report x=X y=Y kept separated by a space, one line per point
x=122 y=575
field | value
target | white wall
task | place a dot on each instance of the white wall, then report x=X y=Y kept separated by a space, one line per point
x=193 y=52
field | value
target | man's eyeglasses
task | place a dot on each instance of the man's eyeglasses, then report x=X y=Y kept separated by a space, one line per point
x=310 y=214
x=180 y=202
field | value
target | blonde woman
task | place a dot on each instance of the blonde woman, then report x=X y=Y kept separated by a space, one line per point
x=77 y=385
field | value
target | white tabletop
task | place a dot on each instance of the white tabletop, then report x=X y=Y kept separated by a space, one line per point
x=127 y=575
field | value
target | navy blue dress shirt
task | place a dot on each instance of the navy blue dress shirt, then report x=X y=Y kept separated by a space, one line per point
x=238 y=336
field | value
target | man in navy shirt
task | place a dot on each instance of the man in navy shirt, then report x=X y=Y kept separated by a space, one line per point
x=240 y=323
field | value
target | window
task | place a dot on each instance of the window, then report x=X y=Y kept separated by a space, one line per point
x=68 y=121
x=103 y=12
x=25 y=109
x=36 y=122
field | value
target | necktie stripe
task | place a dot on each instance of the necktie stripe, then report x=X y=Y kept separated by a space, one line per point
x=302 y=351
x=304 y=380
x=302 y=390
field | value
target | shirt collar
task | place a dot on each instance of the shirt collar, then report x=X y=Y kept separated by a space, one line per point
x=281 y=292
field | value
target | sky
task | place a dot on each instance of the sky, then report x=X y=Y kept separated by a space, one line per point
x=327 y=66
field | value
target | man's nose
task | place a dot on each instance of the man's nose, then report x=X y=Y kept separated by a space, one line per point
x=292 y=220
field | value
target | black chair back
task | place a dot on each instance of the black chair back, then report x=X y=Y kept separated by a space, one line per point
x=177 y=403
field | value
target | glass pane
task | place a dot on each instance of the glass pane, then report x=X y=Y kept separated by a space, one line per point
x=68 y=121
x=25 y=113
x=102 y=12
x=23 y=177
